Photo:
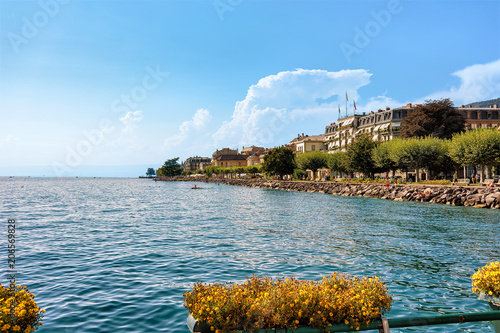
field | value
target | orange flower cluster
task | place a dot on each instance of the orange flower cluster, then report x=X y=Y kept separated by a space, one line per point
x=487 y=280
x=262 y=303
x=25 y=318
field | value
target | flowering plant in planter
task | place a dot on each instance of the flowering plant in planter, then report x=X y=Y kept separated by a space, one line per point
x=263 y=302
x=487 y=280
x=19 y=312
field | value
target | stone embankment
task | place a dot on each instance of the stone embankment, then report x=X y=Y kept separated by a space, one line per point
x=451 y=195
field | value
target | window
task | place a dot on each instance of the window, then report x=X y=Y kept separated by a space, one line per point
x=313 y=147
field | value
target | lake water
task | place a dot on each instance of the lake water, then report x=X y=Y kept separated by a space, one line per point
x=116 y=255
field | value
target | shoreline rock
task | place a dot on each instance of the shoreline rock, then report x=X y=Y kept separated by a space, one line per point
x=449 y=195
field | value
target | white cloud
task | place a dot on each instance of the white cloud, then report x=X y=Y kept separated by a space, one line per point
x=273 y=107
x=379 y=102
x=130 y=120
x=279 y=106
x=199 y=122
x=478 y=82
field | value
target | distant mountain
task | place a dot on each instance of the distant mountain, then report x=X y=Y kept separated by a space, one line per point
x=485 y=104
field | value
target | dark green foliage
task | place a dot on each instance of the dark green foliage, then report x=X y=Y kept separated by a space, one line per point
x=299 y=174
x=436 y=118
x=253 y=169
x=279 y=161
x=170 y=168
x=359 y=156
x=382 y=156
x=150 y=172
x=338 y=162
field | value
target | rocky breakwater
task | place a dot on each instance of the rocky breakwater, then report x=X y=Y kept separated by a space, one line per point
x=451 y=195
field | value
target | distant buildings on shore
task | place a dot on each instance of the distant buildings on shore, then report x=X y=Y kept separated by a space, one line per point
x=383 y=125
x=227 y=157
x=196 y=163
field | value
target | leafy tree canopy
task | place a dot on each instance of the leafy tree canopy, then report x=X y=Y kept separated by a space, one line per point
x=478 y=147
x=338 y=162
x=382 y=156
x=150 y=172
x=436 y=118
x=359 y=155
x=253 y=169
x=211 y=169
x=313 y=160
x=428 y=153
x=170 y=168
x=279 y=161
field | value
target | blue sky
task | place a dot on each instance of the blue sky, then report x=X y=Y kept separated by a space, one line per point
x=104 y=88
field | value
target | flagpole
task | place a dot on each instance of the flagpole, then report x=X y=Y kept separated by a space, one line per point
x=346 y=104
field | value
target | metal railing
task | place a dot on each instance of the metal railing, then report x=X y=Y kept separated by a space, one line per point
x=384 y=325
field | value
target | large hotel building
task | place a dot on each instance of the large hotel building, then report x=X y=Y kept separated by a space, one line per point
x=385 y=124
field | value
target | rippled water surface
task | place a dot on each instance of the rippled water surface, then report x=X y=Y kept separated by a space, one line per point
x=115 y=255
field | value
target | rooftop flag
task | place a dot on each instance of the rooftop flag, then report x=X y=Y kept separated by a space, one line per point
x=346 y=98
x=355 y=105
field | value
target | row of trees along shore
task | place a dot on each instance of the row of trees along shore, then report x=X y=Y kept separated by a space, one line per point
x=433 y=139
x=172 y=168
x=480 y=147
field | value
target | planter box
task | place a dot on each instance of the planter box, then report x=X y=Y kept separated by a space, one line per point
x=197 y=327
x=494 y=303
x=412 y=321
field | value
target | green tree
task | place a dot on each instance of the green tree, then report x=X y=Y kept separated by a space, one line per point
x=313 y=161
x=338 y=162
x=212 y=169
x=299 y=174
x=239 y=170
x=150 y=172
x=425 y=153
x=478 y=147
x=359 y=156
x=253 y=169
x=170 y=168
x=279 y=161
x=436 y=118
x=382 y=156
